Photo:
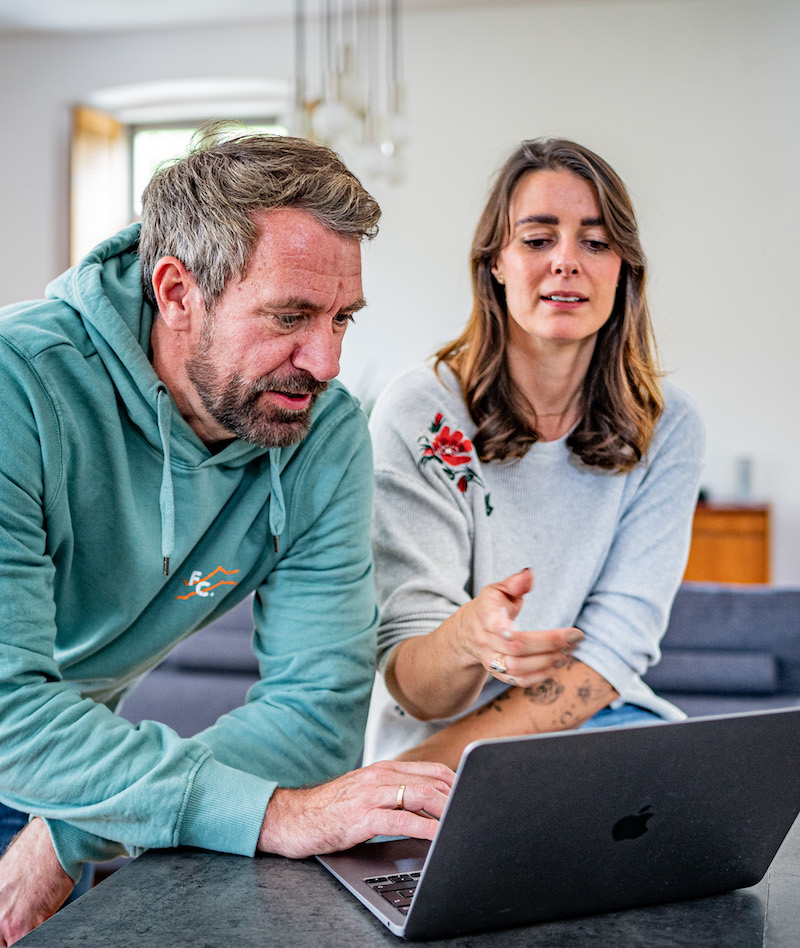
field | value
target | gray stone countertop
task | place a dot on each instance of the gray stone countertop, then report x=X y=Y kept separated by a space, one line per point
x=170 y=898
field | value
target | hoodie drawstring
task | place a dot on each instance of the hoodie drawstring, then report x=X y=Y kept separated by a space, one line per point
x=277 y=506
x=167 y=496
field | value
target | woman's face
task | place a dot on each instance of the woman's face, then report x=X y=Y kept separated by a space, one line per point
x=559 y=272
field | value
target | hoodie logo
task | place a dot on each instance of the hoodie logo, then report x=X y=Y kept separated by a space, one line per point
x=202 y=584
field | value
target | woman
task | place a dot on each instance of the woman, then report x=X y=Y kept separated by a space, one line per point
x=541 y=444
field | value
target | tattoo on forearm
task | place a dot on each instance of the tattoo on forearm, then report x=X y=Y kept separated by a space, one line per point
x=557 y=704
x=545 y=692
x=569 y=703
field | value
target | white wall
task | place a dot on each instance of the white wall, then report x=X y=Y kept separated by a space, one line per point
x=695 y=102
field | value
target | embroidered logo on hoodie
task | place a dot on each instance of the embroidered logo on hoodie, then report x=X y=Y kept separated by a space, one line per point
x=202 y=584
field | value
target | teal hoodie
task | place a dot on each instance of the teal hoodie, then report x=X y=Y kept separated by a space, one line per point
x=102 y=482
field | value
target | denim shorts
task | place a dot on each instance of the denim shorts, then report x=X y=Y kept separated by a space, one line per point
x=625 y=714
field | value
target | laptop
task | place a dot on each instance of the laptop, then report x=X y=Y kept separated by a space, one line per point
x=550 y=826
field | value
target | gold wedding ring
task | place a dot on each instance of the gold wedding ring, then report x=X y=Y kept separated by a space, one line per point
x=498 y=665
x=400 y=794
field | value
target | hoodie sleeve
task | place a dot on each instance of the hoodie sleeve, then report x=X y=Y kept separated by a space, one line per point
x=63 y=756
x=104 y=784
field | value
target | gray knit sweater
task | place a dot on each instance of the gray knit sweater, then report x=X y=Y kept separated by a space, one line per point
x=607 y=550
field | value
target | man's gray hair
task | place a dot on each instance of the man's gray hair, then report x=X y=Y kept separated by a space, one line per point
x=201 y=208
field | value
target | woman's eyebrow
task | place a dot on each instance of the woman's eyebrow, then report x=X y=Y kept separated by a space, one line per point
x=552 y=219
x=537 y=219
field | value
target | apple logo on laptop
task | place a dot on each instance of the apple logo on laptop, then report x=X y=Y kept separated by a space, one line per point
x=632 y=826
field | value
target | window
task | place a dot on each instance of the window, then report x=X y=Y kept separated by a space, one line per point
x=121 y=135
x=99 y=204
x=151 y=146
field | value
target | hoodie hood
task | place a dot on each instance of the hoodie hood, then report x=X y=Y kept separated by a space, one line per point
x=105 y=290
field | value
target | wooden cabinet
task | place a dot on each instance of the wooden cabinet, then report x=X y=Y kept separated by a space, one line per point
x=730 y=544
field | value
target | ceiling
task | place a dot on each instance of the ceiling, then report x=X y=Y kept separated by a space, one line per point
x=81 y=15
x=105 y=15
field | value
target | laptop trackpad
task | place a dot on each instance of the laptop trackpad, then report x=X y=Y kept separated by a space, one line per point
x=382 y=856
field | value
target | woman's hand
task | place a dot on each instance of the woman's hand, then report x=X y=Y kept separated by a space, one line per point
x=441 y=674
x=484 y=633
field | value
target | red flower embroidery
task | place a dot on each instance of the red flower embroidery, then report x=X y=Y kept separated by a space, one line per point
x=453 y=449
x=450 y=449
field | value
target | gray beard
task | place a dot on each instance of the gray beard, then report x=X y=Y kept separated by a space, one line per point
x=235 y=403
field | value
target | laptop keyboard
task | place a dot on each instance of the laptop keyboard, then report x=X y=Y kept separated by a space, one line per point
x=397 y=889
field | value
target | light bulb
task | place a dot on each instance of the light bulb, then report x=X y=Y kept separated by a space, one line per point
x=331 y=120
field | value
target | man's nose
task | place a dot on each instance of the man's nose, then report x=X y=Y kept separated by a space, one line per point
x=318 y=353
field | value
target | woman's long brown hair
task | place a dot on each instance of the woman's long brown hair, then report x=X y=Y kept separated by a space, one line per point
x=621 y=399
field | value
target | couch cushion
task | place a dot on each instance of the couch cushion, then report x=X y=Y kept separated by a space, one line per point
x=716 y=671
x=726 y=616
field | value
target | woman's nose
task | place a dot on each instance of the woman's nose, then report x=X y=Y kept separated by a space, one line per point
x=565 y=265
x=565 y=258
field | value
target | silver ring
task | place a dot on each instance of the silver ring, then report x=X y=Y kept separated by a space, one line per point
x=498 y=665
x=400 y=794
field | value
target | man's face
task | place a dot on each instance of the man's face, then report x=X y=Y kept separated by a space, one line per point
x=272 y=342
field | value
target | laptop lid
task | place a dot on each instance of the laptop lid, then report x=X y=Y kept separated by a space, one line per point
x=550 y=826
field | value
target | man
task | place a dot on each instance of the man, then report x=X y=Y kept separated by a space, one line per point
x=169 y=429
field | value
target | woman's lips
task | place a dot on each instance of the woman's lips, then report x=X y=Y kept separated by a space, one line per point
x=565 y=300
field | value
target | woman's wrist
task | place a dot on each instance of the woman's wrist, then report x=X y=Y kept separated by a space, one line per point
x=431 y=677
x=456 y=640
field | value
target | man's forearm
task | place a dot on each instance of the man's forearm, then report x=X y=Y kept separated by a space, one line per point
x=33 y=886
x=564 y=700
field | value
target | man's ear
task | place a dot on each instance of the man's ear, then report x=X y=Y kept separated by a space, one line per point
x=177 y=294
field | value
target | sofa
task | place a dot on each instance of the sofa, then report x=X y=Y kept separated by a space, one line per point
x=730 y=648
x=727 y=648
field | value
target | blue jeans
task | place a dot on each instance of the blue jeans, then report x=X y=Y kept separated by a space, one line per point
x=615 y=717
x=12 y=821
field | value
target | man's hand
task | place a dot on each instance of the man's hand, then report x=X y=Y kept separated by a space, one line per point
x=33 y=886
x=356 y=807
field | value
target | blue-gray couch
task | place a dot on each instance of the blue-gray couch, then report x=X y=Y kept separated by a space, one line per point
x=730 y=648
x=727 y=648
